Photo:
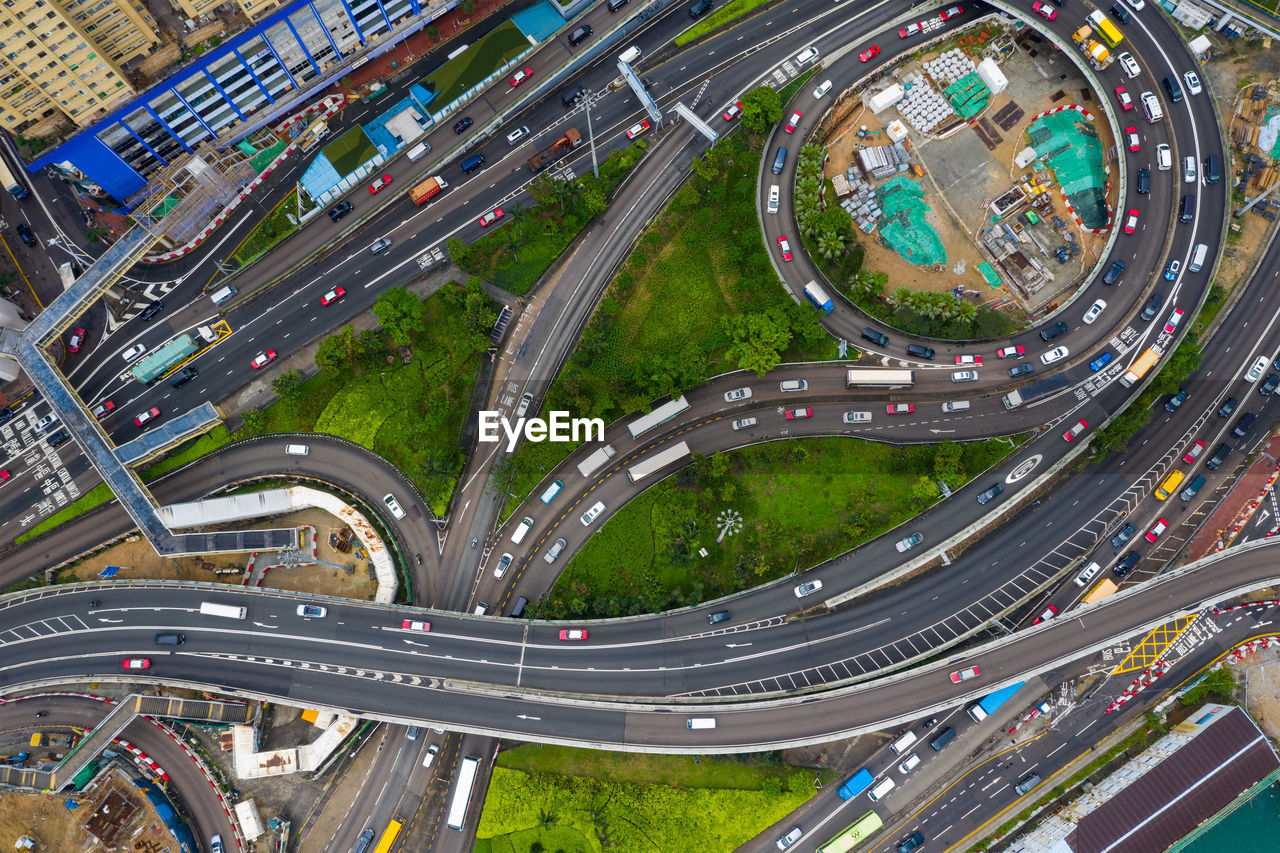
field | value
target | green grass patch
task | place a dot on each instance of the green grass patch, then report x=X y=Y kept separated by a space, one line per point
x=653 y=803
x=718 y=18
x=802 y=502
x=99 y=494
x=457 y=76
x=1212 y=305
x=269 y=231
x=517 y=254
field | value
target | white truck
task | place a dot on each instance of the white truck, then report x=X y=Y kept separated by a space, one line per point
x=208 y=608
x=593 y=463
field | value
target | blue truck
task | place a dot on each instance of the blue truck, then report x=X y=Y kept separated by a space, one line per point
x=987 y=704
x=857 y=783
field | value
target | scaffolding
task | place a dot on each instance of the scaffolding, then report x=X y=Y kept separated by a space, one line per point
x=181 y=199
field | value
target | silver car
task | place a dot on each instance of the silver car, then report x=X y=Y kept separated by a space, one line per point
x=551 y=555
x=909 y=542
x=382 y=244
x=134 y=351
x=737 y=394
x=745 y=423
x=793 y=835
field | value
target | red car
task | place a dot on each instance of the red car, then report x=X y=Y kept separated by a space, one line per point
x=491 y=217
x=1131 y=139
x=77 y=340
x=900 y=408
x=965 y=674
x=1044 y=10
x=1122 y=95
x=1048 y=614
x=381 y=183
x=1174 y=319
x=1011 y=352
x=870 y=53
x=910 y=30
x=734 y=109
x=4 y=475
x=1131 y=221
x=637 y=129
x=520 y=76
x=1070 y=435
x=573 y=633
x=799 y=414
x=785 y=248
x=146 y=417
x=137 y=663
x=969 y=359
x=790 y=126
x=262 y=359
x=103 y=409
x=333 y=296
x=414 y=625
x=1197 y=447
x=953 y=12
x=1156 y=529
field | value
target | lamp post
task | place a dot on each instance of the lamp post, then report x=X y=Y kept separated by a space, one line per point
x=591 y=139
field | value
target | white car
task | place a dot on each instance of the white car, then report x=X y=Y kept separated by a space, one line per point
x=1138 y=5
x=745 y=423
x=1193 y=82
x=394 y=506
x=1055 y=354
x=826 y=87
x=907 y=543
x=134 y=351
x=1094 y=312
x=516 y=135
x=964 y=376
x=792 y=836
x=591 y=514
x=737 y=394
x=501 y=568
x=1256 y=371
x=910 y=764
x=430 y=757
x=1164 y=157
x=806 y=55
x=1129 y=64
x=807 y=588
x=312 y=611
x=773 y=199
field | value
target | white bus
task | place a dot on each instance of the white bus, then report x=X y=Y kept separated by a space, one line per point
x=651 y=462
x=875 y=377
x=208 y=608
x=658 y=416
x=462 y=790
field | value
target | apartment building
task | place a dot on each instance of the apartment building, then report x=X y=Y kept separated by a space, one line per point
x=62 y=60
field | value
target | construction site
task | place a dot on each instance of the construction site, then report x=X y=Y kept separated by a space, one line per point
x=976 y=166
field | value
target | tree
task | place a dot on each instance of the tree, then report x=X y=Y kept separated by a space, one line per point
x=758 y=339
x=400 y=313
x=337 y=350
x=761 y=110
x=924 y=491
x=946 y=463
x=289 y=385
x=543 y=189
x=477 y=312
x=95 y=234
x=511 y=238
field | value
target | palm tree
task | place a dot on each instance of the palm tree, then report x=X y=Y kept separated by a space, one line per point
x=511 y=237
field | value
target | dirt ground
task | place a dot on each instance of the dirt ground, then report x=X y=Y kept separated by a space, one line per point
x=346 y=576
x=957 y=207
x=55 y=827
x=1258 y=677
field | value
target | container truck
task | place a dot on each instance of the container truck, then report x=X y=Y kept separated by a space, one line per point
x=553 y=152
x=1105 y=588
x=857 y=783
x=428 y=189
x=988 y=704
x=208 y=608
x=1037 y=390
x=592 y=463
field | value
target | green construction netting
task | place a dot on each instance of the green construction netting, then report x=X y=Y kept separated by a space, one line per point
x=164 y=207
x=902 y=223
x=246 y=148
x=1070 y=145
x=989 y=273
x=968 y=95
x=1269 y=131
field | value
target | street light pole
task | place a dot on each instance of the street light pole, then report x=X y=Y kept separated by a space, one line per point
x=591 y=140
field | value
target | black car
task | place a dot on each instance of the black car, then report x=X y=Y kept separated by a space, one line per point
x=1176 y=400
x=1121 y=13
x=1022 y=369
x=58 y=437
x=1228 y=406
x=1152 y=308
x=1220 y=454
x=1125 y=534
x=25 y=233
x=1126 y=565
x=1057 y=329
x=1269 y=384
x=1113 y=274
x=463 y=124
x=920 y=351
x=1144 y=180
x=911 y=842
x=700 y=8
x=991 y=493
x=719 y=616
x=340 y=210
x=152 y=310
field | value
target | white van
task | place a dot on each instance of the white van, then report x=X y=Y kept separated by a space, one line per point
x=773 y=199
x=297 y=449
x=222 y=295
x=701 y=723
x=883 y=787
x=956 y=406
x=419 y=151
x=522 y=531
x=1188 y=170
x=629 y=55
x=1151 y=106
x=481 y=609
x=910 y=764
x=1197 y=258
x=903 y=743
x=1164 y=157
x=593 y=513
x=1085 y=576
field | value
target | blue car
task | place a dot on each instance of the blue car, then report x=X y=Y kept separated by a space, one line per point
x=1171 y=271
x=1100 y=362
